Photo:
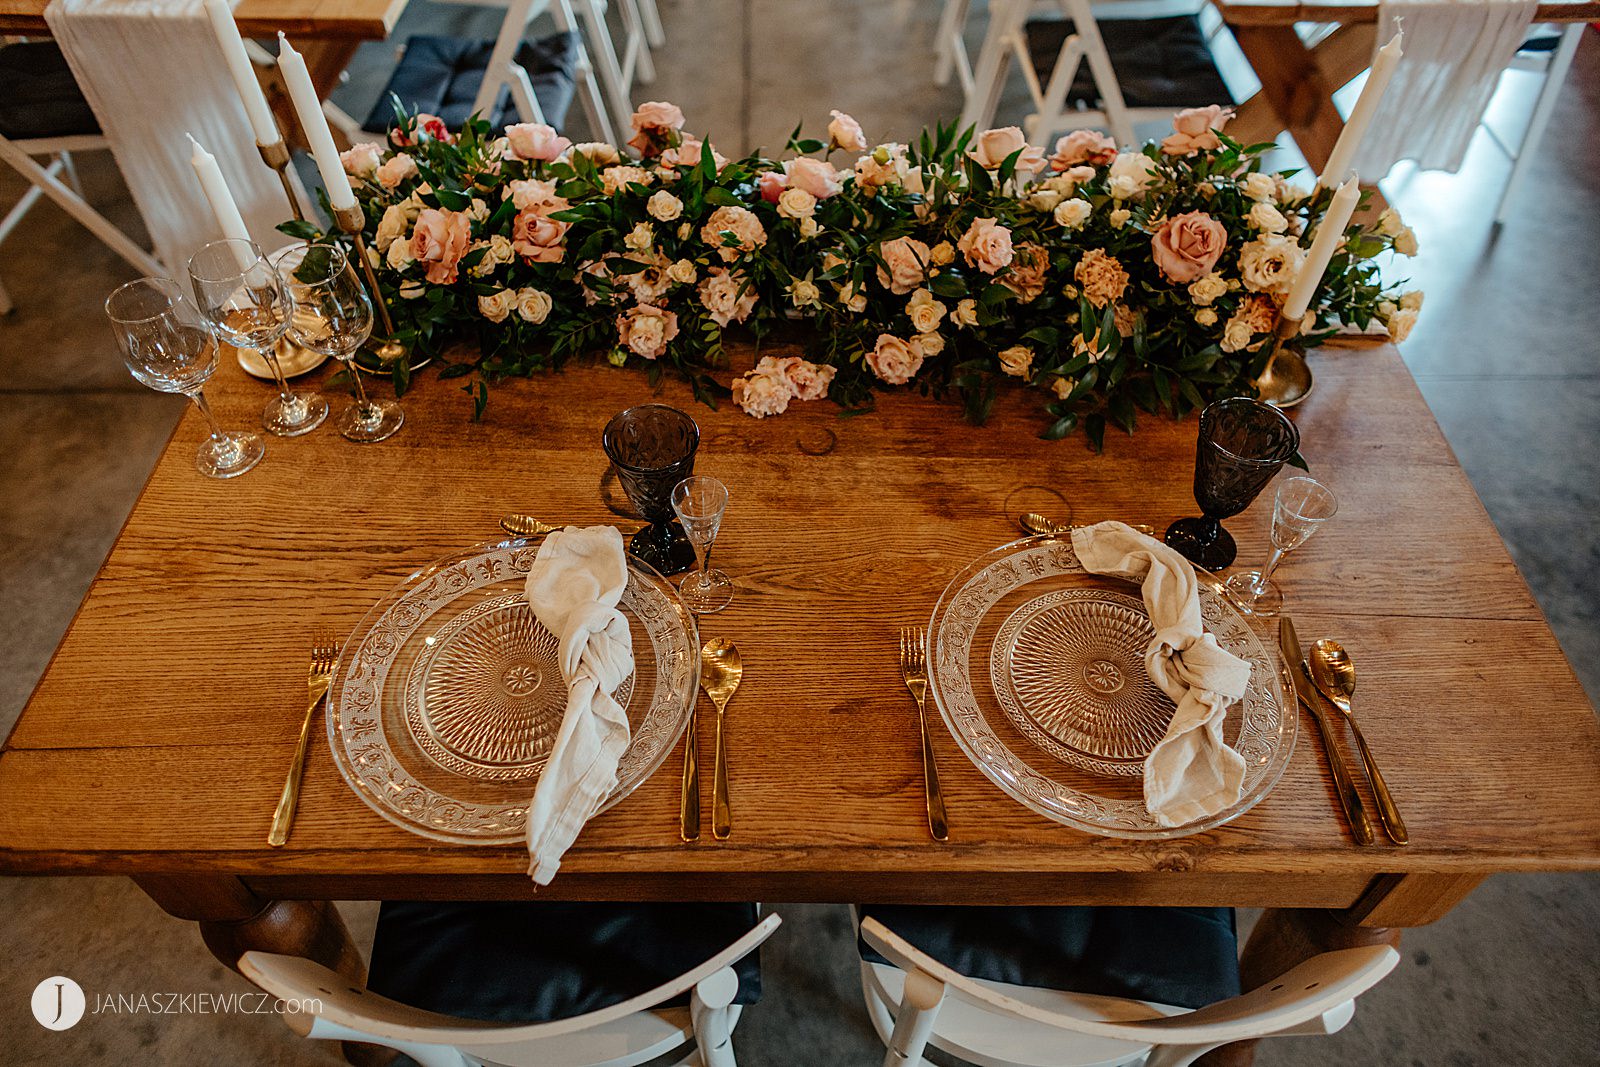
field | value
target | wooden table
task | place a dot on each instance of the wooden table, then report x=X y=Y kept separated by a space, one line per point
x=157 y=742
x=1298 y=82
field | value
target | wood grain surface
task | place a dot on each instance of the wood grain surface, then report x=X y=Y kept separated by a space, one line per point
x=157 y=742
x=363 y=19
x=1288 y=12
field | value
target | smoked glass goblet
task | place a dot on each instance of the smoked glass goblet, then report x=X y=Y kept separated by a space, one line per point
x=651 y=448
x=700 y=502
x=1241 y=445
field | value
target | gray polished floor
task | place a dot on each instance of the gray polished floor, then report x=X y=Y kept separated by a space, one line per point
x=1507 y=353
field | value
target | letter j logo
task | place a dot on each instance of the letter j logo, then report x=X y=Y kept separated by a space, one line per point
x=58 y=1003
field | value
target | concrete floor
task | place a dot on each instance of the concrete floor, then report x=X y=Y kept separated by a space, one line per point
x=1508 y=978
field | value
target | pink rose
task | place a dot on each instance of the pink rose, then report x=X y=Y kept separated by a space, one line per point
x=1083 y=146
x=809 y=380
x=905 y=264
x=537 y=237
x=1195 y=130
x=772 y=184
x=1188 y=246
x=439 y=242
x=845 y=132
x=536 y=141
x=654 y=126
x=397 y=170
x=535 y=195
x=813 y=175
x=687 y=153
x=993 y=147
x=986 y=245
x=645 y=330
x=362 y=160
x=742 y=223
x=895 y=361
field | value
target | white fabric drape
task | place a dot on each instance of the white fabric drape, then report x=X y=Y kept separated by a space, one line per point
x=1454 y=53
x=152 y=71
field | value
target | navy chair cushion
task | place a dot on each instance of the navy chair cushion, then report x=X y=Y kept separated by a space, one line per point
x=534 y=961
x=1185 y=957
x=1162 y=62
x=39 y=96
x=441 y=75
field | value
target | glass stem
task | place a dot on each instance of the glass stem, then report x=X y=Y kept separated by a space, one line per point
x=199 y=399
x=355 y=376
x=269 y=355
x=1263 y=576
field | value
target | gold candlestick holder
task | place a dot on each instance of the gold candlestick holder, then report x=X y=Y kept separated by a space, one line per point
x=278 y=157
x=387 y=350
x=1286 y=379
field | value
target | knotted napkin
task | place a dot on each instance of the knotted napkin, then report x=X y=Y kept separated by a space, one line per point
x=1191 y=773
x=573 y=587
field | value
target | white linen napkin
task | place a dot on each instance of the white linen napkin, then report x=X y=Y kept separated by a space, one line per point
x=1191 y=773
x=573 y=587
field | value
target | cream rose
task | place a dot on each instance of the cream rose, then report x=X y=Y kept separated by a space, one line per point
x=942 y=254
x=497 y=305
x=924 y=311
x=1236 y=336
x=1405 y=242
x=796 y=204
x=533 y=305
x=535 y=141
x=986 y=245
x=1194 y=129
x=803 y=292
x=640 y=238
x=1187 y=246
x=905 y=264
x=538 y=238
x=1258 y=187
x=1205 y=289
x=893 y=360
x=845 y=132
x=663 y=206
x=617 y=179
x=1401 y=323
x=1270 y=262
x=1017 y=360
x=391 y=227
x=399 y=256
x=1072 y=214
x=741 y=224
x=597 y=152
x=853 y=299
x=966 y=313
x=1412 y=301
x=1205 y=316
x=1267 y=219
x=645 y=330
x=654 y=126
x=684 y=272
x=932 y=343
x=1131 y=173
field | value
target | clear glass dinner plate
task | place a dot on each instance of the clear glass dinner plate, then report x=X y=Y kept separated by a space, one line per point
x=1037 y=667
x=449 y=694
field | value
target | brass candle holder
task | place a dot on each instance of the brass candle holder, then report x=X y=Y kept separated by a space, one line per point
x=278 y=157
x=1286 y=379
x=387 y=350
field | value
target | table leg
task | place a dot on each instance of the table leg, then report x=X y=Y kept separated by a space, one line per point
x=1295 y=86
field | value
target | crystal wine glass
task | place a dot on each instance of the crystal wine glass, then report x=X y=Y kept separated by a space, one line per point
x=333 y=315
x=169 y=347
x=652 y=447
x=1301 y=507
x=1242 y=444
x=699 y=502
x=243 y=298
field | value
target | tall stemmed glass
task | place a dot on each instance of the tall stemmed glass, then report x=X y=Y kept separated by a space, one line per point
x=651 y=448
x=1299 y=510
x=240 y=294
x=168 y=346
x=334 y=316
x=699 y=502
x=1241 y=445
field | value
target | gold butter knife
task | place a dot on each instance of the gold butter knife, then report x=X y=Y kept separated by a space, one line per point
x=1300 y=678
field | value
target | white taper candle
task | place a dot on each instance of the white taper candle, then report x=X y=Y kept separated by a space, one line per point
x=1323 y=246
x=1344 y=149
x=244 y=72
x=308 y=107
x=221 y=200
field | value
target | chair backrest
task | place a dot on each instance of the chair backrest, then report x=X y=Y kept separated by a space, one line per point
x=1321 y=985
x=321 y=1003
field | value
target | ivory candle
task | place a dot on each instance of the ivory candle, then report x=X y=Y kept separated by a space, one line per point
x=308 y=108
x=244 y=73
x=1344 y=149
x=222 y=203
x=1323 y=246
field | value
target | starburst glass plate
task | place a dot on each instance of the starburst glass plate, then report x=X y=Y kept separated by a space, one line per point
x=1037 y=668
x=449 y=694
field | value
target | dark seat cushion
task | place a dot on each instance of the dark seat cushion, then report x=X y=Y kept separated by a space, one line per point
x=533 y=961
x=39 y=96
x=441 y=76
x=1186 y=957
x=1162 y=62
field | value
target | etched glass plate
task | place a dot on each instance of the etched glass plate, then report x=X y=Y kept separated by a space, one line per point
x=1037 y=667
x=449 y=694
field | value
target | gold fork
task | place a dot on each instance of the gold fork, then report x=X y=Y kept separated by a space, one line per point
x=324 y=657
x=913 y=667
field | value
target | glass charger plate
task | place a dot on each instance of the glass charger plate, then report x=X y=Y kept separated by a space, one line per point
x=449 y=694
x=1037 y=668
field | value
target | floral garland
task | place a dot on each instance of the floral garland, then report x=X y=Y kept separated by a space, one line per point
x=1111 y=280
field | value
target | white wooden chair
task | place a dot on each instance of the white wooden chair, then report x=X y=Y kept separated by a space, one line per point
x=46 y=179
x=632 y=1032
x=918 y=1001
x=504 y=70
x=1555 y=64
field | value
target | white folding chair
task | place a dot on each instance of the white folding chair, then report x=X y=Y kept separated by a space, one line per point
x=46 y=179
x=322 y=1004
x=504 y=70
x=919 y=1001
x=1554 y=64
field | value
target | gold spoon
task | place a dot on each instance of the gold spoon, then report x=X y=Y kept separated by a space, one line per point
x=1035 y=523
x=720 y=671
x=1333 y=672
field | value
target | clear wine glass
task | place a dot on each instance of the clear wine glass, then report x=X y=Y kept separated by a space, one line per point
x=700 y=502
x=1299 y=510
x=168 y=346
x=240 y=294
x=333 y=315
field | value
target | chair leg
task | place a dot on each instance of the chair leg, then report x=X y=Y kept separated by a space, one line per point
x=988 y=78
x=603 y=53
x=952 y=20
x=638 y=38
x=913 y=1023
x=1554 y=76
x=96 y=223
x=70 y=169
x=603 y=125
x=709 y=1010
x=654 y=32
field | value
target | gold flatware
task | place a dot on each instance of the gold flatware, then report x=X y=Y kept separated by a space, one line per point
x=324 y=657
x=689 y=803
x=1333 y=672
x=1354 y=811
x=1035 y=523
x=914 y=669
x=525 y=526
x=720 y=671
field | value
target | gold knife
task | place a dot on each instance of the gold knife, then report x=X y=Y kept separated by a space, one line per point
x=1354 y=810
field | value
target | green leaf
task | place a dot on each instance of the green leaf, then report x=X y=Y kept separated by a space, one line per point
x=455 y=201
x=1094 y=428
x=948 y=284
x=717 y=196
x=299 y=228
x=1060 y=428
